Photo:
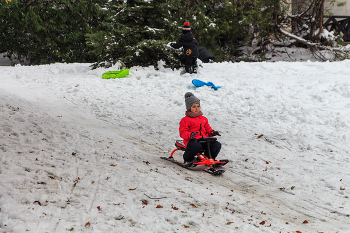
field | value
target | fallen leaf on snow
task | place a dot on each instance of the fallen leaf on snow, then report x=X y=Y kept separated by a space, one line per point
x=229 y=223
x=159 y=206
x=120 y=217
x=186 y=226
x=113 y=165
x=87 y=224
x=37 y=202
x=305 y=222
x=262 y=223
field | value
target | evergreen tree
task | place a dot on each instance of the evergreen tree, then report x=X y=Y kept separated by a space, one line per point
x=222 y=26
x=49 y=30
x=136 y=32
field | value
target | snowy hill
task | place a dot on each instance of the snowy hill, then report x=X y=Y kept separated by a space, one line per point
x=82 y=154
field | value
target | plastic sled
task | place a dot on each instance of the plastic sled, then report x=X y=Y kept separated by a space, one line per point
x=208 y=161
x=199 y=83
x=115 y=74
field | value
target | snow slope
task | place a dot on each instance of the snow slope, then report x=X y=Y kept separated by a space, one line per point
x=82 y=154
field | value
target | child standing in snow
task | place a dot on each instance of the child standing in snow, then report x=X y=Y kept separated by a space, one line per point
x=190 y=46
x=193 y=127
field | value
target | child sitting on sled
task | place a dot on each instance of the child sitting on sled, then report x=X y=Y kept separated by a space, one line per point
x=193 y=127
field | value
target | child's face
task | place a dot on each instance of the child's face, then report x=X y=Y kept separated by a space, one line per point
x=195 y=108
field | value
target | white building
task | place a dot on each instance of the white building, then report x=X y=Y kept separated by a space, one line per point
x=338 y=7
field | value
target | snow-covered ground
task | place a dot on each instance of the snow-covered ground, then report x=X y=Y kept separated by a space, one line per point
x=82 y=154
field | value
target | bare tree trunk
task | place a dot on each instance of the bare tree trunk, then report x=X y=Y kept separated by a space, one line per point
x=309 y=21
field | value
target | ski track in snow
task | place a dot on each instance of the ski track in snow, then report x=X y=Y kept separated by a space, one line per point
x=79 y=153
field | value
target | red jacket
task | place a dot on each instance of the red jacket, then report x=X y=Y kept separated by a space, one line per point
x=196 y=124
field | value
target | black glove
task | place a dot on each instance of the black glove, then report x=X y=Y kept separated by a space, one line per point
x=193 y=135
x=215 y=133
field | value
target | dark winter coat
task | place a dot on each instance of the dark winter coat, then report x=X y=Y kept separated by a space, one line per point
x=189 y=44
x=205 y=55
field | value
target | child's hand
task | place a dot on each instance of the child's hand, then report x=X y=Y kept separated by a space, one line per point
x=193 y=135
x=215 y=133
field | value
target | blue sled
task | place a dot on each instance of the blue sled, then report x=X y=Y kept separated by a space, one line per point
x=199 y=83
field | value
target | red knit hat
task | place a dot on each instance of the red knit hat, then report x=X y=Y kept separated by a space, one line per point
x=186 y=27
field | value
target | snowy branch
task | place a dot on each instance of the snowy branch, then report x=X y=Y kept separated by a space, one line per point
x=339 y=51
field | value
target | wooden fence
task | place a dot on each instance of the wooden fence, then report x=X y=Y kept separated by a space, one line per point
x=340 y=24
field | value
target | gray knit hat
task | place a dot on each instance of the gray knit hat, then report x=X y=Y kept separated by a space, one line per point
x=190 y=99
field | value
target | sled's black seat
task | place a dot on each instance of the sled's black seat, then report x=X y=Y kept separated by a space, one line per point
x=180 y=145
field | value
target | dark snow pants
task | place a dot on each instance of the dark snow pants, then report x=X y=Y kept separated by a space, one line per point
x=191 y=64
x=193 y=148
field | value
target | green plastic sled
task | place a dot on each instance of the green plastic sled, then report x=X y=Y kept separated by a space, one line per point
x=115 y=74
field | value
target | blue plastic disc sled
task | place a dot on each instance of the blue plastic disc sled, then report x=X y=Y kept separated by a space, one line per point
x=199 y=83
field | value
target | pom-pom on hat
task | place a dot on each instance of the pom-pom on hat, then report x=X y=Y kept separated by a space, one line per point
x=186 y=28
x=190 y=99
